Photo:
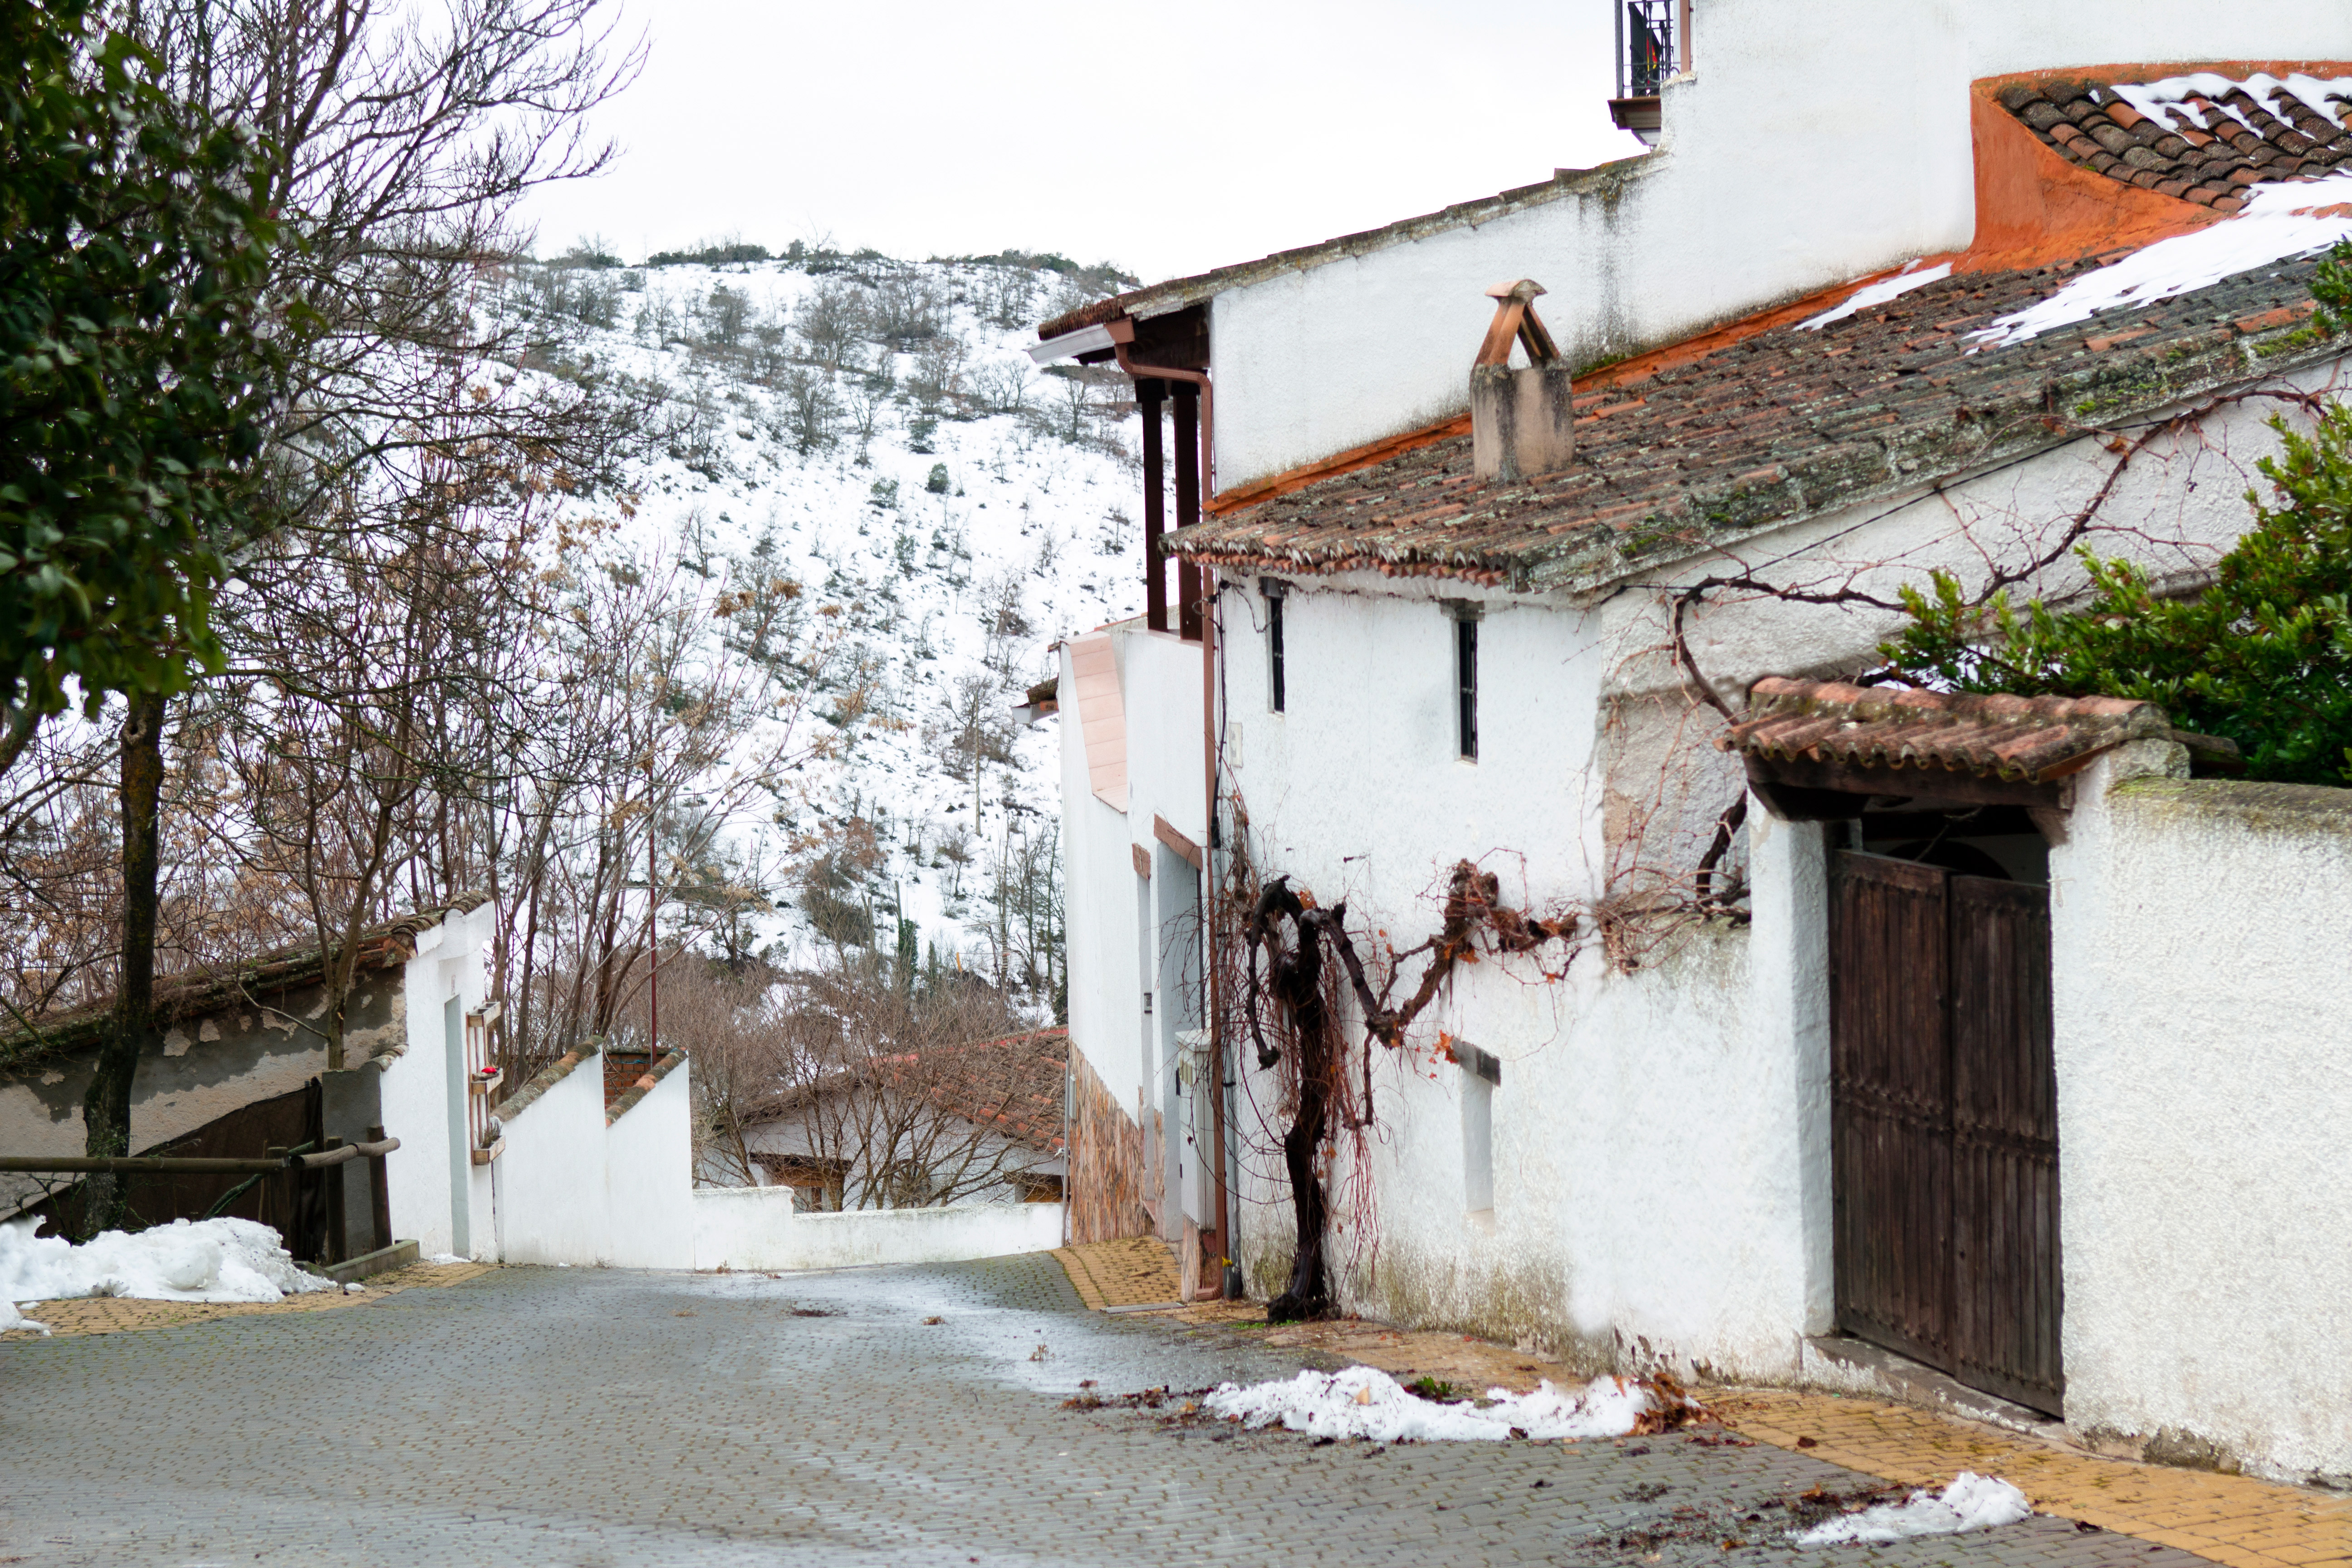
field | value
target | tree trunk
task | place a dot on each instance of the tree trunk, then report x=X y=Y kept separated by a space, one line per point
x=106 y=1109
x=1297 y=985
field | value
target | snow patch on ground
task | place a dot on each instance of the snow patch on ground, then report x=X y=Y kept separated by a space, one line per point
x=187 y=1260
x=1878 y=293
x=2281 y=221
x=1971 y=1502
x=10 y=1318
x=1361 y=1401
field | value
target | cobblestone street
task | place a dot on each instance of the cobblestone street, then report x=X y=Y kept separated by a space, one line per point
x=910 y=1415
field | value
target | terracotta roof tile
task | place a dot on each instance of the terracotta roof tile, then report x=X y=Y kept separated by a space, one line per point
x=1769 y=428
x=2086 y=123
x=2030 y=739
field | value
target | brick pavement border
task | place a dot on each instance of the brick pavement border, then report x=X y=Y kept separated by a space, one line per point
x=1136 y=1271
x=2234 y=1519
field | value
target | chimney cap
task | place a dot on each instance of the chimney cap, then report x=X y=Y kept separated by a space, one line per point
x=1519 y=289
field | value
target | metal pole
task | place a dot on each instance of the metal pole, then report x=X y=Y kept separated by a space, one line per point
x=653 y=927
x=1617 y=11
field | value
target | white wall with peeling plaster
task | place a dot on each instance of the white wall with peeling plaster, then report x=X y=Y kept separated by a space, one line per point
x=1818 y=141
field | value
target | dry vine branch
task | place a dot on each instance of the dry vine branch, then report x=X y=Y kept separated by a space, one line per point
x=1295 y=978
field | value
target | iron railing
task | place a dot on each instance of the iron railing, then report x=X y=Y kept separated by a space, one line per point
x=1647 y=36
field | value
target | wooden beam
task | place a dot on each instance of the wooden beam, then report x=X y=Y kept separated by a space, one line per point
x=1179 y=843
x=1799 y=786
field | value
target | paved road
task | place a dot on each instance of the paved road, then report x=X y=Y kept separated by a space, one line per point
x=604 y=1417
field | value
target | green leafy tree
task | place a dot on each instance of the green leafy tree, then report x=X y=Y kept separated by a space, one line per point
x=2262 y=657
x=133 y=234
x=133 y=237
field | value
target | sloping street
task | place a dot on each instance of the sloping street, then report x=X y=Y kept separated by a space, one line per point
x=911 y=1415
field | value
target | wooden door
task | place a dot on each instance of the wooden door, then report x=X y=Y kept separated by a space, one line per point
x=1943 y=1124
x=2004 y=1145
x=1890 y=1105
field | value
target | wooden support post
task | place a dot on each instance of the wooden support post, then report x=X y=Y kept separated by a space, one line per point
x=379 y=1194
x=1148 y=395
x=330 y=1186
x=1187 y=501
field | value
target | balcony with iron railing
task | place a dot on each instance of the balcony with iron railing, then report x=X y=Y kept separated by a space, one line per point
x=1653 y=43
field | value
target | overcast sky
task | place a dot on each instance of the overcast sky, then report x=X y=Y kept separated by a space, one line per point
x=1169 y=138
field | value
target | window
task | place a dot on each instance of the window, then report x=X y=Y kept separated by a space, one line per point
x=1481 y=1076
x=1274 y=597
x=1466 y=685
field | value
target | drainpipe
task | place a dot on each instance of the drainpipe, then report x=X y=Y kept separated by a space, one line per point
x=1210 y=653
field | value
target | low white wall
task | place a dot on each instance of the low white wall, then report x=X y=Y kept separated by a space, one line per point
x=2201 y=940
x=649 y=1179
x=755 y=1227
x=551 y=1180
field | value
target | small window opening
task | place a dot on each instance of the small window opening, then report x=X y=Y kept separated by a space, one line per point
x=1466 y=685
x=1275 y=685
x=1481 y=1075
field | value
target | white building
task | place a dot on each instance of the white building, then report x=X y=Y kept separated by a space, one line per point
x=1825 y=340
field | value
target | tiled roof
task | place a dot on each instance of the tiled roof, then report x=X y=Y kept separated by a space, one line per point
x=2215 y=136
x=2018 y=739
x=1012 y=1086
x=1774 y=426
x=182 y=997
x=1176 y=293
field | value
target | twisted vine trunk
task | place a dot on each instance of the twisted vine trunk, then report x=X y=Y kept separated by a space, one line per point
x=106 y=1107
x=1296 y=979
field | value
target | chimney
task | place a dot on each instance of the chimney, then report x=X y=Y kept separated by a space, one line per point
x=1522 y=424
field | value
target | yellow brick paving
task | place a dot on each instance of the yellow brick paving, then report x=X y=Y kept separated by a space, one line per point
x=2232 y=1519
x=113 y=1315
x=1139 y=1271
x=2236 y=1520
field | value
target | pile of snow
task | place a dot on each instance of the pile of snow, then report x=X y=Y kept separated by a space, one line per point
x=12 y=1319
x=1971 y=1502
x=2280 y=221
x=1878 y=293
x=1360 y=1401
x=201 y=1260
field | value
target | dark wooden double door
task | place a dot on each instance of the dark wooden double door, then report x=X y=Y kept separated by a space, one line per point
x=1944 y=1124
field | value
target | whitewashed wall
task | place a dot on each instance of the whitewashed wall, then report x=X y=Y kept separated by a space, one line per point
x=649 y=1178
x=1112 y=932
x=1656 y=1157
x=755 y=1227
x=550 y=1182
x=448 y=963
x=1817 y=141
x=2201 y=938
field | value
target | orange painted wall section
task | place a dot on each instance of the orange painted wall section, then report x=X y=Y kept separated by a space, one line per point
x=2034 y=208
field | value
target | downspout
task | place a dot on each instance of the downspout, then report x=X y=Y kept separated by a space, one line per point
x=1210 y=653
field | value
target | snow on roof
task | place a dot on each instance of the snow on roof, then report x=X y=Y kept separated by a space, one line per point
x=1680 y=452
x=2201 y=137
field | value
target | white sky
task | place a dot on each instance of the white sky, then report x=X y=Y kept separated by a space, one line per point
x=1170 y=138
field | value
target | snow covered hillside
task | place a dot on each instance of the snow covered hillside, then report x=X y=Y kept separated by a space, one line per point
x=871 y=430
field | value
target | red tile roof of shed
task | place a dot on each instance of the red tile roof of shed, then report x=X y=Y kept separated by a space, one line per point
x=2029 y=739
